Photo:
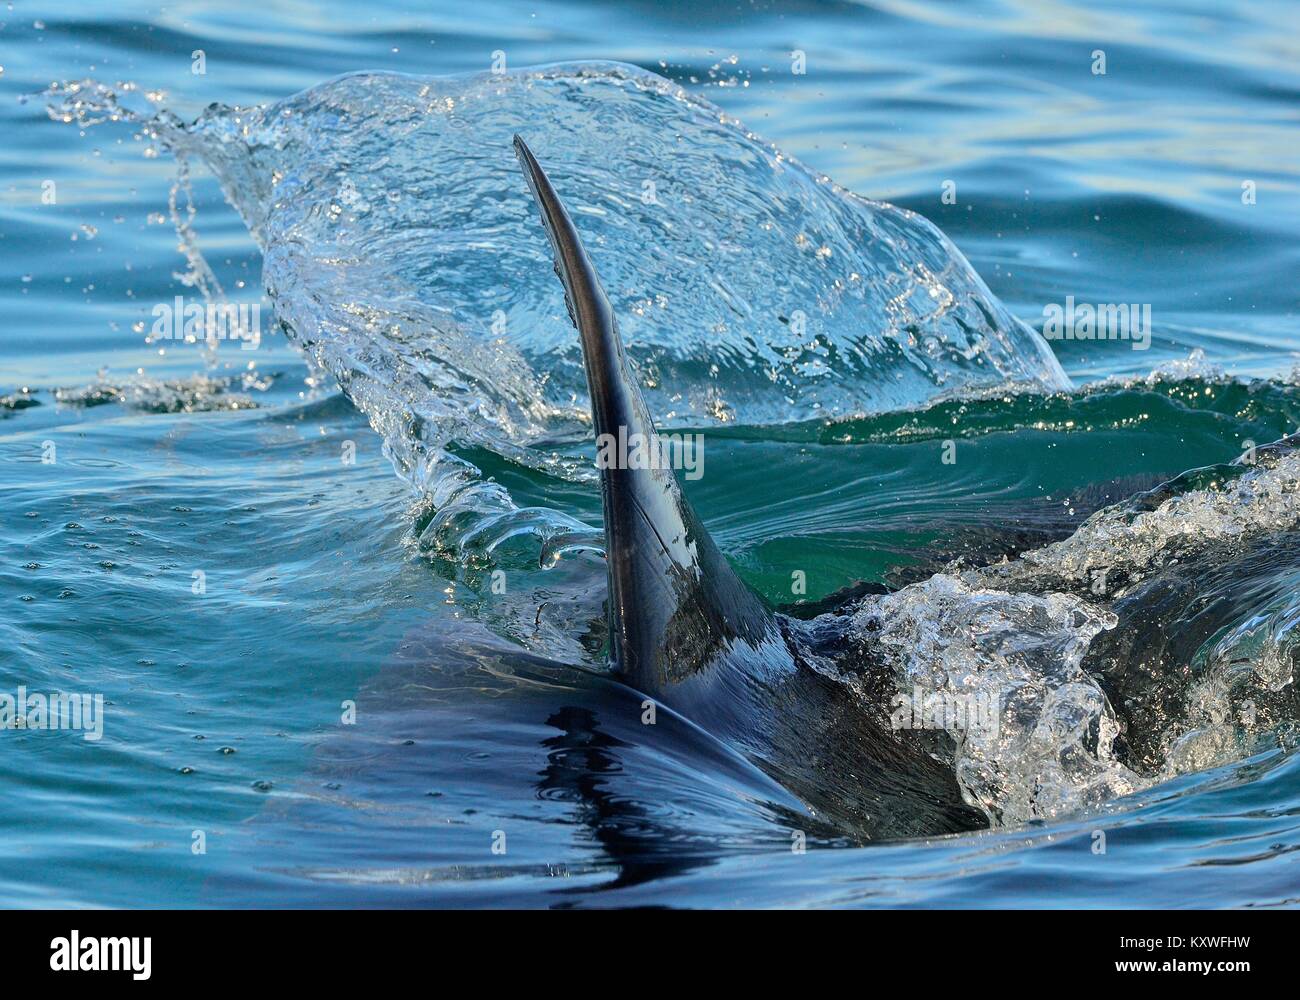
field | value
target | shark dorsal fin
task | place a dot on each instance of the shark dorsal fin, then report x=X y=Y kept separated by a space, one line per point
x=677 y=611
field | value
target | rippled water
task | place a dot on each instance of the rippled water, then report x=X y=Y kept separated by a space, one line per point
x=875 y=409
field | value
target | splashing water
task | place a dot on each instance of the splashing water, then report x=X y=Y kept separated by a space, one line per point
x=1046 y=751
x=1050 y=750
x=195 y=394
x=402 y=256
x=1235 y=504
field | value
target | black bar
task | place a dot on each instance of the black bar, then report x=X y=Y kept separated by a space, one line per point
x=337 y=949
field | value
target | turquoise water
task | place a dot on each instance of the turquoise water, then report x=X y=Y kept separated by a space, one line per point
x=328 y=581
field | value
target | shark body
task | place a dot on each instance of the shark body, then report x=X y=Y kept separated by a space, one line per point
x=687 y=632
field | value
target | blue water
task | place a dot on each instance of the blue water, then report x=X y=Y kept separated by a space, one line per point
x=328 y=583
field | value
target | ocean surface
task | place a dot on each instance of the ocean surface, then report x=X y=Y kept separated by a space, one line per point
x=336 y=574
